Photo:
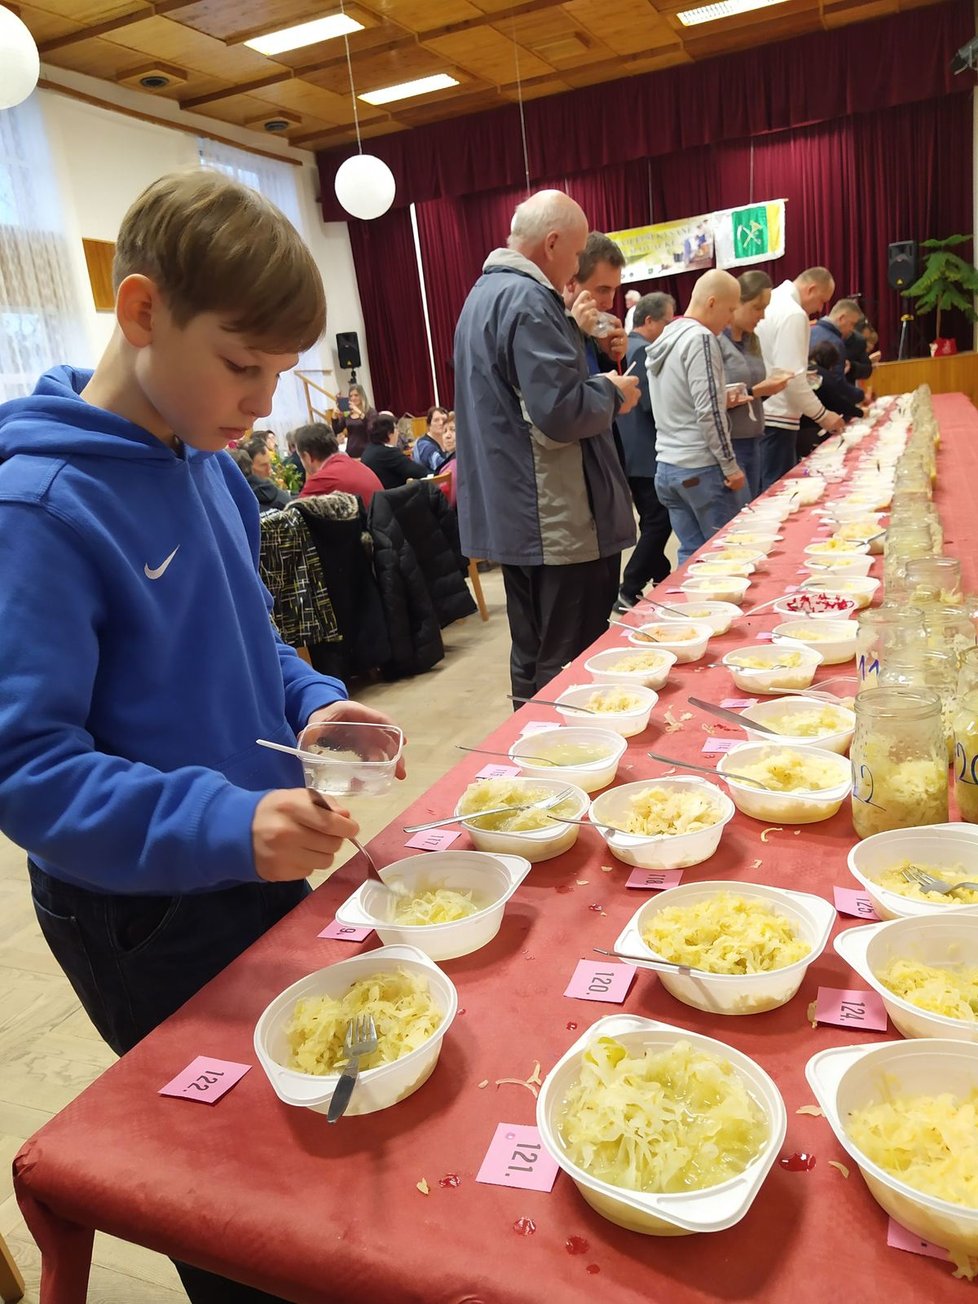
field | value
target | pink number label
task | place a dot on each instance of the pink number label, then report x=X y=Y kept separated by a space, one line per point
x=850 y=901
x=337 y=932
x=434 y=839
x=516 y=1157
x=205 y=1079
x=600 y=982
x=654 y=879
x=851 y=1009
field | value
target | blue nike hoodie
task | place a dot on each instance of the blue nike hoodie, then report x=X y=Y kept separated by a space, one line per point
x=138 y=658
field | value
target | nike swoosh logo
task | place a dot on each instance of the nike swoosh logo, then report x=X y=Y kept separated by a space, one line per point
x=154 y=573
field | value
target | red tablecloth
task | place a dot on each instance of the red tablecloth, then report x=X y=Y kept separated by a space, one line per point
x=275 y=1197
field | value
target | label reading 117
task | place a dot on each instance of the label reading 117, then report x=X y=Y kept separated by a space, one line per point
x=516 y=1157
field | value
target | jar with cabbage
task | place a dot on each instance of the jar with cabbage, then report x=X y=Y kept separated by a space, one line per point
x=947 y=629
x=926 y=668
x=881 y=630
x=934 y=579
x=899 y=761
x=966 y=738
x=904 y=543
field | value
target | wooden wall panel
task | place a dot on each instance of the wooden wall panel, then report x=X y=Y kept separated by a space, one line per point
x=98 y=259
x=957 y=374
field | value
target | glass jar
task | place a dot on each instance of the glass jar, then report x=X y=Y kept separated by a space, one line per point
x=880 y=629
x=899 y=761
x=948 y=629
x=903 y=544
x=966 y=754
x=936 y=671
x=935 y=575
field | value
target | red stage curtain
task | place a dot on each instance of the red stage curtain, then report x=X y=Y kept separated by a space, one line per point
x=869 y=68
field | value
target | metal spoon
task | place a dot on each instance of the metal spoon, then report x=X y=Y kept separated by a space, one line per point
x=563 y=706
x=732 y=717
x=660 y=966
x=495 y=810
x=523 y=756
x=738 y=778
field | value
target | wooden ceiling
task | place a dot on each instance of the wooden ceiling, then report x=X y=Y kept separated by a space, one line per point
x=491 y=46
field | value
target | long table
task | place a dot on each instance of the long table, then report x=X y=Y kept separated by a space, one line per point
x=274 y=1197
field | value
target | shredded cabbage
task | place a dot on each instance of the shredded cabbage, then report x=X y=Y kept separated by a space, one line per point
x=634 y=661
x=950 y=992
x=929 y=1142
x=434 y=905
x=893 y=880
x=403 y=1012
x=613 y=699
x=905 y=793
x=783 y=657
x=660 y=1120
x=486 y=794
x=818 y=722
x=670 y=811
x=785 y=771
x=725 y=934
x=676 y=633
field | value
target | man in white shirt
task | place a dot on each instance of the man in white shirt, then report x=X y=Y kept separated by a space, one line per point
x=631 y=299
x=785 y=342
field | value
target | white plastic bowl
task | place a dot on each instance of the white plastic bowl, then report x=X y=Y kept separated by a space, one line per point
x=785 y=807
x=661 y=851
x=684 y=650
x=834 y=640
x=719 y=615
x=716 y=588
x=940 y=941
x=723 y=568
x=535 y=844
x=809 y=488
x=601 y=667
x=492 y=880
x=828 y=548
x=763 y=712
x=591 y=776
x=786 y=606
x=729 y=550
x=627 y=723
x=709 y=1210
x=811 y=917
x=376 y=1088
x=944 y=845
x=757 y=680
x=861 y=588
x=841 y=563
x=848 y=1078
x=742 y=535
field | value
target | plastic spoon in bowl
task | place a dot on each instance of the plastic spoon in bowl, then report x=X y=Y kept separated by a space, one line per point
x=561 y=706
x=737 y=778
x=723 y=714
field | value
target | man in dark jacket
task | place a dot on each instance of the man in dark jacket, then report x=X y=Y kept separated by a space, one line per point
x=540 y=486
x=836 y=329
x=652 y=315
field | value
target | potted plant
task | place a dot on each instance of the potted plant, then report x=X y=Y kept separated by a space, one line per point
x=947 y=282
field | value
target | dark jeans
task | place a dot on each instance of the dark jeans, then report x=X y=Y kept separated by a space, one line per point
x=648 y=561
x=779 y=453
x=134 y=960
x=748 y=455
x=555 y=612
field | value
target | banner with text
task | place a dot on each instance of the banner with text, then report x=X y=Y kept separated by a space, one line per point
x=731 y=237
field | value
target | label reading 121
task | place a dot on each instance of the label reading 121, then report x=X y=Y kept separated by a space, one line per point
x=516 y=1157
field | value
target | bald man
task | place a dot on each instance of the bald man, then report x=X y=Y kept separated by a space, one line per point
x=697 y=477
x=540 y=486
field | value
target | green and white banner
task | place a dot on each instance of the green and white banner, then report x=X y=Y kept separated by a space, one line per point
x=754 y=234
x=731 y=237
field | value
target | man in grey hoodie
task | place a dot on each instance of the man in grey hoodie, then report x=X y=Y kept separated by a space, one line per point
x=540 y=486
x=697 y=477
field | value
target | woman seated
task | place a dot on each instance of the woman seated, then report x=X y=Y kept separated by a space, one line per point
x=430 y=448
x=354 y=421
x=391 y=467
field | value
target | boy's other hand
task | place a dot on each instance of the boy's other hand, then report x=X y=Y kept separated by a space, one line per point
x=291 y=834
x=357 y=714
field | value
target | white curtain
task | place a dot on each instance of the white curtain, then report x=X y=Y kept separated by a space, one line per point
x=41 y=322
x=279 y=183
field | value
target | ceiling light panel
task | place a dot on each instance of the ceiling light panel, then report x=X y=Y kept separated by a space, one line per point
x=311 y=33
x=723 y=9
x=410 y=89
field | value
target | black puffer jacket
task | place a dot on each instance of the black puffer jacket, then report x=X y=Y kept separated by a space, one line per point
x=420 y=571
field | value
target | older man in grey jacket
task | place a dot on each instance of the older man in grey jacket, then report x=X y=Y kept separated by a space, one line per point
x=540 y=487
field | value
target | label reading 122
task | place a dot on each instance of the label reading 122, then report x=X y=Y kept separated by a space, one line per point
x=205 y=1079
x=516 y=1157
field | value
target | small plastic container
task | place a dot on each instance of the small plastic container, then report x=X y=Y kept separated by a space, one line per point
x=800 y=807
x=376 y=1088
x=721 y=567
x=816 y=604
x=779 y=707
x=939 y=941
x=744 y=535
x=591 y=776
x=535 y=844
x=347 y=758
x=627 y=723
x=848 y=1078
x=729 y=550
x=710 y=1210
x=841 y=563
x=942 y=845
x=812 y=918
x=860 y=588
x=719 y=615
x=834 y=640
x=664 y=850
x=716 y=588
x=683 y=649
x=601 y=667
x=757 y=679
x=492 y=880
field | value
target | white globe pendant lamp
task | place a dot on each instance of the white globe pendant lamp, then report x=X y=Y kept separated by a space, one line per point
x=20 y=64
x=365 y=186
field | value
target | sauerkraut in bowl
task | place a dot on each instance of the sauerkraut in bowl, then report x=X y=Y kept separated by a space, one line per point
x=801 y=785
x=941 y=848
x=663 y=1131
x=535 y=832
x=668 y=823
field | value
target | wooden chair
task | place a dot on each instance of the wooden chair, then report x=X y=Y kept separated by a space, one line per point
x=443 y=481
x=11 y=1282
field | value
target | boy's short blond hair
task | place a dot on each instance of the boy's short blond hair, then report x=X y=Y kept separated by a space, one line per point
x=213 y=245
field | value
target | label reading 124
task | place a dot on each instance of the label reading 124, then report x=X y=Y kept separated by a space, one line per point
x=851 y=1009
x=516 y=1157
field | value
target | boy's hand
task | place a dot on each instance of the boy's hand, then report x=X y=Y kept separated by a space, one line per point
x=357 y=714
x=291 y=834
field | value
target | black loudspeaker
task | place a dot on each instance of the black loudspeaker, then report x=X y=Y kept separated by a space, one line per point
x=348 y=350
x=902 y=265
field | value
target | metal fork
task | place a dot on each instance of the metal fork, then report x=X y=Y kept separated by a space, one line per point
x=555 y=800
x=928 y=883
x=360 y=1039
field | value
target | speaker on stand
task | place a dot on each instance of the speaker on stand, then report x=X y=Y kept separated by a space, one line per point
x=348 y=353
x=902 y=269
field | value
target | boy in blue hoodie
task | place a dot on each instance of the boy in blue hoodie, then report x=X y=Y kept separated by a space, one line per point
x=139 y=658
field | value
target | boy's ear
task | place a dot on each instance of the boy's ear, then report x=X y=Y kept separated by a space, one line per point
x=137 y=302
